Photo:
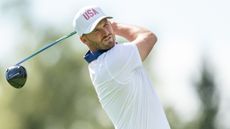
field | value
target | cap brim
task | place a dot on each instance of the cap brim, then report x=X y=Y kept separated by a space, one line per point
x=92 y=27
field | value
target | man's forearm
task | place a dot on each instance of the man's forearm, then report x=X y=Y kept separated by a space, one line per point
x=130 y=32
x=142 y=37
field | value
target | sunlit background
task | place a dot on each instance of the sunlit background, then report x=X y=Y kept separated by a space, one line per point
x=189 y=66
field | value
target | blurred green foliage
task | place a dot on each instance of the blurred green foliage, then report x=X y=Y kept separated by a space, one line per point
x=55 y=96
x=58 y=93
x=208 y=94
x=58 y=96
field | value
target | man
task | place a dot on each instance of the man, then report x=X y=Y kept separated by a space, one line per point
x=116 y=70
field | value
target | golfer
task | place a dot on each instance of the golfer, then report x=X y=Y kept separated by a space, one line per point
x=116 y=70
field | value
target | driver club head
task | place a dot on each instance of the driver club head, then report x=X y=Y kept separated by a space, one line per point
x=16 y=75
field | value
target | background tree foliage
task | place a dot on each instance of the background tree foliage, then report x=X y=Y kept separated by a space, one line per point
x=208 y=94
x=58 y=94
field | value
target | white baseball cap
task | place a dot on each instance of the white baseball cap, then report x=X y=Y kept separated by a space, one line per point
x=87 y=19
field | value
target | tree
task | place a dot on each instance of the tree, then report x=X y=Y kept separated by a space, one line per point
x=208 y=94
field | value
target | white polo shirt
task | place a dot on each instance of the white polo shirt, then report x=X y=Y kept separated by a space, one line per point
x=125 y=91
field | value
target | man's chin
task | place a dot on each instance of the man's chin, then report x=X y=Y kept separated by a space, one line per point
x=109 y=46
x=113 y=44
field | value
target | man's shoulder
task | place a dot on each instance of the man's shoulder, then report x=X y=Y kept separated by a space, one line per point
x=121 y=54
x=122 y=46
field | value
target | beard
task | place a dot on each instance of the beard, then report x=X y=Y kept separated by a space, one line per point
x=107 y=42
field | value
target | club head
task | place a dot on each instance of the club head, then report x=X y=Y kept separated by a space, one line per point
x=16 y=75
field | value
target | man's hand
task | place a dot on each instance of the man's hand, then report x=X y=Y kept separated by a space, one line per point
x=142 y=37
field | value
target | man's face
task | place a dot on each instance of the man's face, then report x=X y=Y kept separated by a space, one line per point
x=101 y=38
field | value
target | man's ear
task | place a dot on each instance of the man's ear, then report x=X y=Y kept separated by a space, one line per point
x=83 y=39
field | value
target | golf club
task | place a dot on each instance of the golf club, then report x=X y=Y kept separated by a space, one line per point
x=16 y=75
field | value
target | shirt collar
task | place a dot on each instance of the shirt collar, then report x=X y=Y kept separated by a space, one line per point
x=91 y=56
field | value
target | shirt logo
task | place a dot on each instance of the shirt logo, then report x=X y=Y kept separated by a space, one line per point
x=90 y=13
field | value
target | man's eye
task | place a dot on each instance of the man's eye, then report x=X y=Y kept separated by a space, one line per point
x=106 y=24
x=96 y=30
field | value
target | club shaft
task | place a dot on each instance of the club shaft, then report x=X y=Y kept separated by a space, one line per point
x=46 y=47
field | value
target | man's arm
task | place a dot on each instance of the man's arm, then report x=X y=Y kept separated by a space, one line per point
x=142 y=37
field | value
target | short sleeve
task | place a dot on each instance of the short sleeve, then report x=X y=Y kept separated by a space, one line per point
x=123 y=59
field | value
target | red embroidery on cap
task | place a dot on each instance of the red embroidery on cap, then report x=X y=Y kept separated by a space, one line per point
x=90 y=13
